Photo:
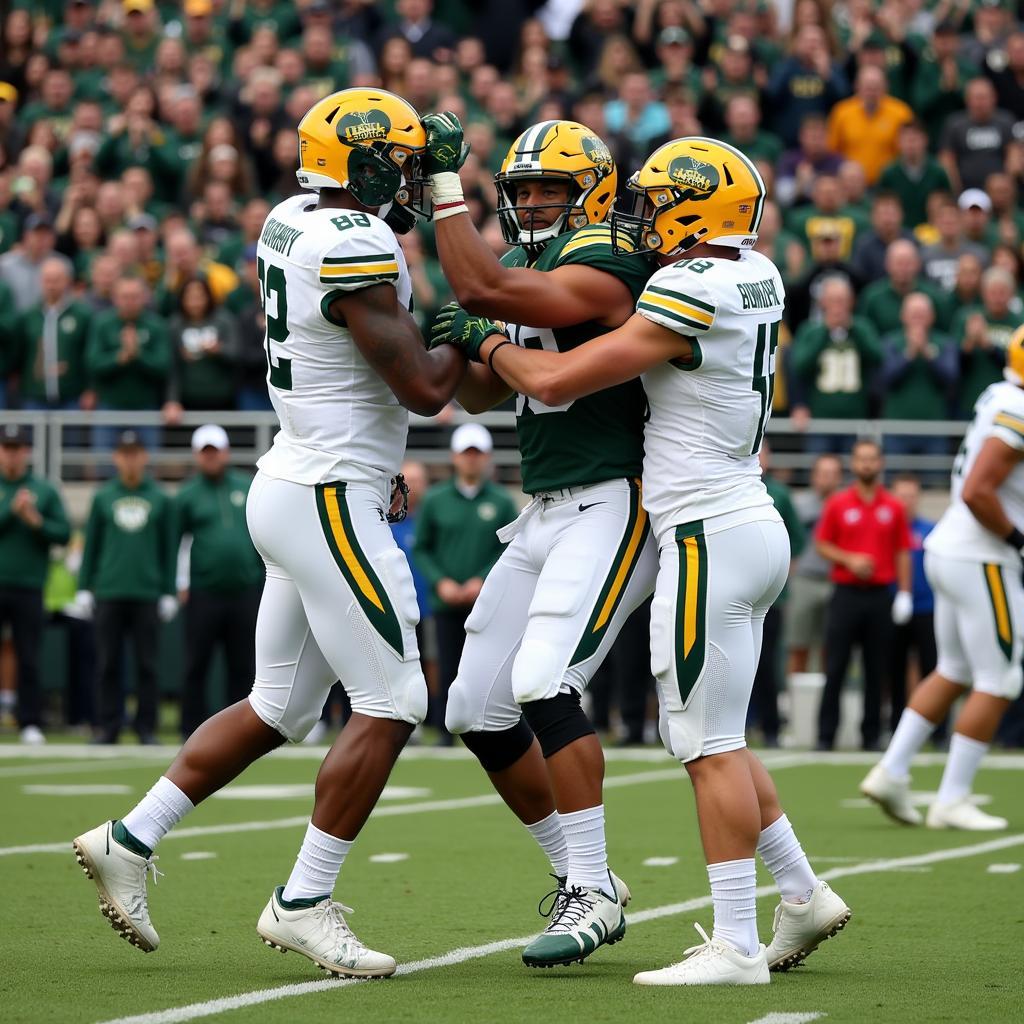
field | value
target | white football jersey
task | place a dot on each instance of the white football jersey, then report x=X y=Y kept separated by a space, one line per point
x=708 y=416
x=998 y=412
x=339 y=420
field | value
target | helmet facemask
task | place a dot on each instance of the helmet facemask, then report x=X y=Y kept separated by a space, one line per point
x=511 y=215
x=634 y=230
x=383 y=172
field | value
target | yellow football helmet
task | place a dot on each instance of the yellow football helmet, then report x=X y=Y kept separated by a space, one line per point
x=1014 y=369
x=565 y=150
x=369 y=142
x=690 y=190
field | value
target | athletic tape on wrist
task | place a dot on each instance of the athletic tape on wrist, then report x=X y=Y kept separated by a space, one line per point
x=446 y=190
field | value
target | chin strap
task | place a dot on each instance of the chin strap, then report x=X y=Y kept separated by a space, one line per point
x=447 y=196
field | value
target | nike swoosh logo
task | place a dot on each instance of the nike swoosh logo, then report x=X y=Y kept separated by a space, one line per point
x=583 y=508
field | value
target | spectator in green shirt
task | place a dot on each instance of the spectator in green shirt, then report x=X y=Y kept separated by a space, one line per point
x=833 y=363
x=53 y=337
x=128 y=358
x=127 y=581
x=32 y=519
x=456 y=547
x=882 y=301
x=984 y=332
x=221 y=592
x=914 y=175
x=918 y=376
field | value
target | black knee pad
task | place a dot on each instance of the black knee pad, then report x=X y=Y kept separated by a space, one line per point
x=497 y=751
x=557 y=721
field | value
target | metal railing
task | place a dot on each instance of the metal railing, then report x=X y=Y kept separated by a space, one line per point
x=64 y=442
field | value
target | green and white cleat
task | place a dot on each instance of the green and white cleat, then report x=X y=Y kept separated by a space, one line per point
x=713 y=962
x=120 y=877
x=799 y=928
x=318 y=929
x=581 y=920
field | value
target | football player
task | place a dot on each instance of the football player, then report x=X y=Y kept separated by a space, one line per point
x=345 y=363
x=581 y=558
x=703 y=338
x=973 y=562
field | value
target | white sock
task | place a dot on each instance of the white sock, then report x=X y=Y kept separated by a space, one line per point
x=551 y=839
x=962 y=764
x=733 y=892
x=784 y=857
x=911 y=732
x=317 y=866
x=588 y=857
x=157 y=812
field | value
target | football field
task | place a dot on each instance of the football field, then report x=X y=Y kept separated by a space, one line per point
x=444 y=879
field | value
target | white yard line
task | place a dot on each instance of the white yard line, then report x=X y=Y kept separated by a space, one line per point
x=211 y=1007
x=387 y=811
x=772 y=759
x=788 y=1018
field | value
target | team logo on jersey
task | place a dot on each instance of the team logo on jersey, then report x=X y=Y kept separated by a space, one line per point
x=487 y=511
x=883 y=514
x=131 y=514
x=599 y=153
x=699 y=180
x=367 y=126
x=69 y=323
x=238 y=498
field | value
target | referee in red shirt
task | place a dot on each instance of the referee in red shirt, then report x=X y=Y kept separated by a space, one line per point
x=863 y=532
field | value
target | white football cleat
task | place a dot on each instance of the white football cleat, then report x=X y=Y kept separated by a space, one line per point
x=321 y=932
x=799 y=928
x=962 y=814
x=713 y=962
x=581 y=920
x=892 y=794
x=33 y=736
x=120 y=877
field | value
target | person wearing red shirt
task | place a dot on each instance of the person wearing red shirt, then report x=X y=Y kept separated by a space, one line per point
x=863 y=532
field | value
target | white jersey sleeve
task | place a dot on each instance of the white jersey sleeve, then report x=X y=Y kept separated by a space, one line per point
x=339 y=420
x=709 y=413
x=360 y=256
x=999 y=413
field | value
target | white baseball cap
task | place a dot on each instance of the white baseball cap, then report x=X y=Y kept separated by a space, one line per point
x=974 y=197
x=472 y=435
x=210 y=435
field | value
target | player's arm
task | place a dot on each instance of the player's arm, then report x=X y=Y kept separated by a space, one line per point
x=562 y=297
x=389 y=340
x=995 y=461
x=555 y=378
x=481 y=390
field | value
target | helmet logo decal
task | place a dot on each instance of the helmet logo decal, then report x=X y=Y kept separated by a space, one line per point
x=698 y=179
x=599 y=153
x=365 y=126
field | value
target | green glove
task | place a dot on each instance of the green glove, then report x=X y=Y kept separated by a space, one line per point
x=446 y=150
x=454 y=326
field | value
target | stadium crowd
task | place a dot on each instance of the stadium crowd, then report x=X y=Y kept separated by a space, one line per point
x=142 y=144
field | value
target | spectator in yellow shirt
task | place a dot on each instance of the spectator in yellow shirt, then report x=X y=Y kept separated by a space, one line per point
x=865 y=127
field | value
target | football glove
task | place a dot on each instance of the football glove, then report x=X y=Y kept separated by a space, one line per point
x=454 y=326
x=446 y=150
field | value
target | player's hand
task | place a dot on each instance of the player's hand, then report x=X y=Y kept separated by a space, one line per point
x=861 y=565
x=454 y=326
x=902 y=607
x=446 y=149
x=82 y=607
x=167 y=607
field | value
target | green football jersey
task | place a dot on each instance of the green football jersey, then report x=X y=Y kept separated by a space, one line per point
x=599 y=437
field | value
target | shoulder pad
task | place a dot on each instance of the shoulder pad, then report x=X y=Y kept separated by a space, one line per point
x=679 y=301
x=362 y=251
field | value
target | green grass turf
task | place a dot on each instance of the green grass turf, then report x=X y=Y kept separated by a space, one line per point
x=939 y=943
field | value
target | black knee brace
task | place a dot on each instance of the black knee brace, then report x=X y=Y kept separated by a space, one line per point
x=557 y=721
x=497 y=751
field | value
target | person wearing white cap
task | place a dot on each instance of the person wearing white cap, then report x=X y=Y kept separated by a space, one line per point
x=221 y=588
x=456 y=546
